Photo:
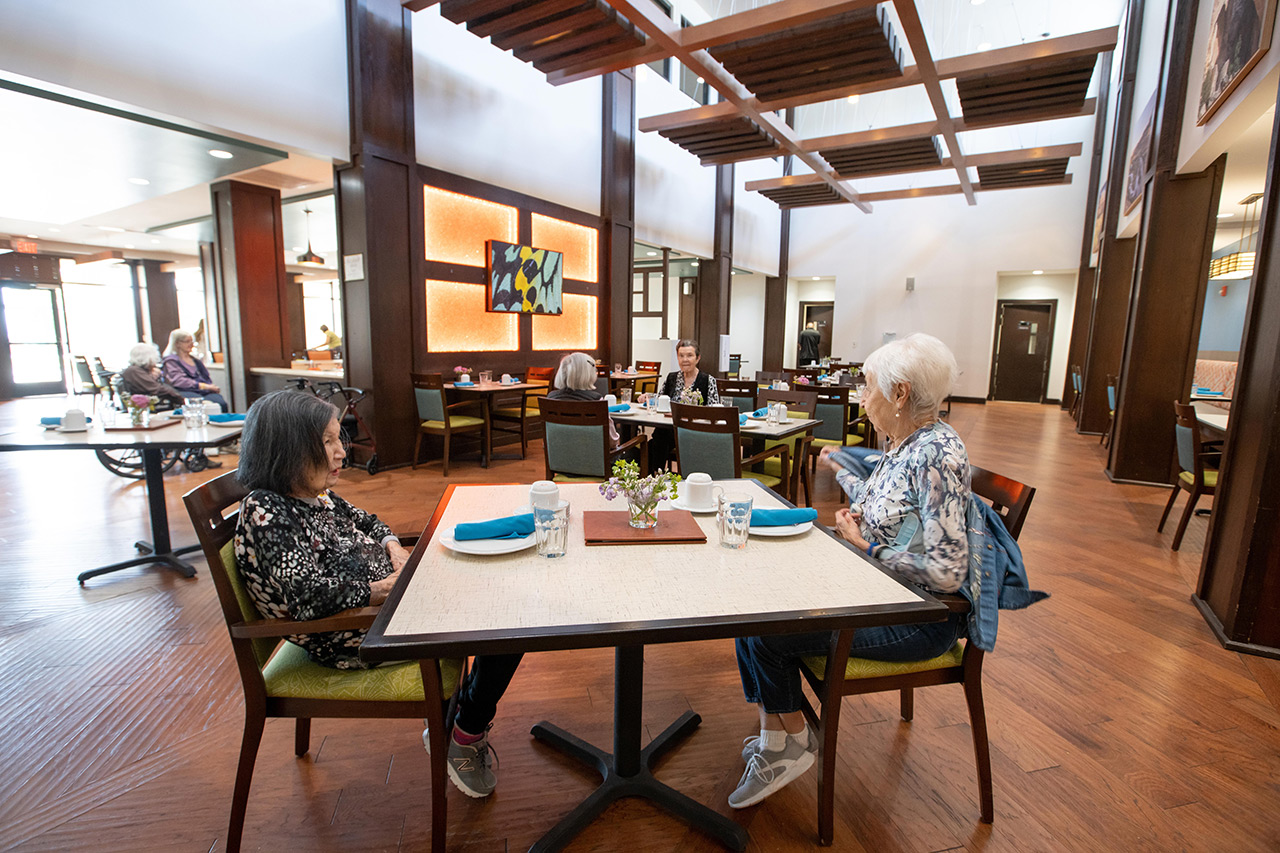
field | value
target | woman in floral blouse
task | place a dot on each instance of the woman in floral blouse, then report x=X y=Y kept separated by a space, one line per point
x=909 y=514
x=305 y=553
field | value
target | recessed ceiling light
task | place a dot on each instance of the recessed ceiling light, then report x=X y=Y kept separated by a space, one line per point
x=32 y=236
x=56 y=230
x=128 y=245
x=298 y=249
x=1225 y=215
x=693 y=263
x=700 y=80
x=220 y=154
x=142 y=182
x=1037 y=272
x=111 y=228
x=853 y=99
x=652 y=254
x=817 y=278
x=986 y=45
x=976 y=2
x=155 y=241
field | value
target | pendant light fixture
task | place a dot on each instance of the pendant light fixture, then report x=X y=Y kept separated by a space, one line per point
x=309 y=258
x=1239 y=264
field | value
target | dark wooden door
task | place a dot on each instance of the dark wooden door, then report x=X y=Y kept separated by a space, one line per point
x=1024 y=343
x=820 y=313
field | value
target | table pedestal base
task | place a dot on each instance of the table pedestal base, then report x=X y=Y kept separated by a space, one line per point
x=168 y=558
x=627 y=771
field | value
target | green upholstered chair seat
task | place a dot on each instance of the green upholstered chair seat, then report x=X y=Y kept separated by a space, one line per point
x=455 y=422
x=765 y=477
x=1210 y=478
x=858 y=668
x=290 y=673
x=565 y=478
x=831 y=442
x=514 y=411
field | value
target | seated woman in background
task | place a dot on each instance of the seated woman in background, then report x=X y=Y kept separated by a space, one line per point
x=305 y=553
x=910 y=514
x=684 y=381
x=576 y=380
x=142 y=376
x=187 y=373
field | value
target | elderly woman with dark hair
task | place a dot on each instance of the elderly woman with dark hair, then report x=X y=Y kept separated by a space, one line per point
x=908 y=512
x=305 y=553
x=142 y=376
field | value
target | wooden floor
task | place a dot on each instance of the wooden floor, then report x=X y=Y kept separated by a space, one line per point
x=1117 y=722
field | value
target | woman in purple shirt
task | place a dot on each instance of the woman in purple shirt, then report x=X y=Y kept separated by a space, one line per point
x=187 y=373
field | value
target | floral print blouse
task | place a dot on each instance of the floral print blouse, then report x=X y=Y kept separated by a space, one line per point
x=914 y=503
x=303 y=559
x=674 y=386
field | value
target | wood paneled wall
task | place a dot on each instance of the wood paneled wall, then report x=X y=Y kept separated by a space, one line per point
x=715 y=277
x=617 y=214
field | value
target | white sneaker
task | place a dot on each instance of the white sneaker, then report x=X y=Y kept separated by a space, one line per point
x=768 y=771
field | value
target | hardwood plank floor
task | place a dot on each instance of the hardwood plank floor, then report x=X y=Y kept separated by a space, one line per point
x=1117 y=721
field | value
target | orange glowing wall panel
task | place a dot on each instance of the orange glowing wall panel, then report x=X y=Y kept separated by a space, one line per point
x=457 y=321
x=457 y=226
x=574 y=329
x=577 y=242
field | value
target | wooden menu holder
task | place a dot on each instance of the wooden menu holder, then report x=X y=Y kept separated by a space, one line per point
x=609 y=527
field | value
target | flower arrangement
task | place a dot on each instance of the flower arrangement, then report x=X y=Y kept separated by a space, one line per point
x=140 y=407
x=459 y=370
x=802 y=380
x=690 y=397
x=642 y=493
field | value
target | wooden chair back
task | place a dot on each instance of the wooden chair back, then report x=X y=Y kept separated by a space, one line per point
x=739 y=392
x=707 y=440
x=801 y=402
x=320 y=354
x=1007 y=496
x=1190 y=448
x=541 y=374
x=428 y=392
x=832 y=407
x=649 y=386
x=576 y=441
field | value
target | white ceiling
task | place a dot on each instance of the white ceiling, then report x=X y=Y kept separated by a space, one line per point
x=1246 y=174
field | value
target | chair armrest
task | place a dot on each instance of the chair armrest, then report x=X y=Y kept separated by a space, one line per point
x=638 y=441
x=956 y=603
x=408 y=540
x=777 y=450
x=348 y=620
x=467 y=404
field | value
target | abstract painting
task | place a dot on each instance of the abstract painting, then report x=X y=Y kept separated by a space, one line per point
x=1239 y=33
x=525 y=279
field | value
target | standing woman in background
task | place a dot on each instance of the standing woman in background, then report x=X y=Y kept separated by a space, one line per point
x=187 y=373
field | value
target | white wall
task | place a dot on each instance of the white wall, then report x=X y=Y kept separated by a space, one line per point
x=757 y=221
x=1146 y=83
x=272 y=72
x=746 y=320
x=955 y=252
x=484 y=114
x=1059 y=286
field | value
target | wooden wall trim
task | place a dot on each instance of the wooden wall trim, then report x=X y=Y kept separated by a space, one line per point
x=162 y=301
x=715 y=277
x=617 y=214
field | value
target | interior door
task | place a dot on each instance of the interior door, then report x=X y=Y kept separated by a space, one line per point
x=1024 y=343
x=820 y=313
x=35 y=363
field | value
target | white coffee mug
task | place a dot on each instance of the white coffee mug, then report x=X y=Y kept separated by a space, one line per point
x=698 y=493
x=506 y=379
x=610 y=399
x=664 y=403
x=73 y=420
x=544 y=494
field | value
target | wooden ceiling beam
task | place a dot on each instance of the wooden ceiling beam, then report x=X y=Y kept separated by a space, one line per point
x=685 y=118
x=1001 y=59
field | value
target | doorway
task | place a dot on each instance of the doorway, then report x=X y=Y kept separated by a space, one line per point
x=1023 y=348
x=33 y=361
x=819 y=313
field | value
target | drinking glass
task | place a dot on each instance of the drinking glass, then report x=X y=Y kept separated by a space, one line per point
x=551 y=529
x=626 y=395
x=733 y=519
x=486 y=377
x=193 y=416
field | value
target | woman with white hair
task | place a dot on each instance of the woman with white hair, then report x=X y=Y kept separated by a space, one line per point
x=187 y=373
x=576 y=380
x=910 y=514
x=142 y=376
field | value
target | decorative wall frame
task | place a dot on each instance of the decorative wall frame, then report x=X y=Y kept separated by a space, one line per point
x=1239 y=34
x=524 y=279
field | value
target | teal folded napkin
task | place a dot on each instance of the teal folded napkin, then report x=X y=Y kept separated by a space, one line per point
x=512 y=527
x=226 y=419
x=761 y=412
x=463 y=384
x=58 y=421
x=782 y=517
x=621 y=407
x=1205 y=392
x=742 y=420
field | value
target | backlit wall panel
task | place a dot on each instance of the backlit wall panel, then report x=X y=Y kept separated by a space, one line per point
x=456 y=226
x=575 y=329
x=457 y=321
x=577 y=242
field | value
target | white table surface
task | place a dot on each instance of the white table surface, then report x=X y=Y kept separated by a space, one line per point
x=643 y=417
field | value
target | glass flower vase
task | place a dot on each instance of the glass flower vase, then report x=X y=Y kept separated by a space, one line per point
x=139 y=416
x=642 y=515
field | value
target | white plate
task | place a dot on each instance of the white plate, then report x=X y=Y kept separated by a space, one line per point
x=679 y=503
x=65 y=429
x=483 y=547
x=785 y=530
x=748 y=425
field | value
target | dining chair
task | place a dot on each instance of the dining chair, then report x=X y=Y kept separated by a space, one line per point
x=738 y=392
x=519 y=414
x=576 y=445
x=735 y=365
x=842 y=424
x=802 y=403
x=1077 y=386
x=87 y=381
x=436 y=417
x=764 y=377
x=649 y=386
x=1194 y=476
x=1105 y=440
x=708 y=441
x=280 y=680
x=837 y=675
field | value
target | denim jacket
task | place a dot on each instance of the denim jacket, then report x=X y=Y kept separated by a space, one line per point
x=997 y=578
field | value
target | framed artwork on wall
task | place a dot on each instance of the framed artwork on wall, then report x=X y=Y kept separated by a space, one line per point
x=1239 y=34
x=1140 y=158
x=524 y=279
x=1099 y=215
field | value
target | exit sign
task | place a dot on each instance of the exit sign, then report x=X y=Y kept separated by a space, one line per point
x=27 y=246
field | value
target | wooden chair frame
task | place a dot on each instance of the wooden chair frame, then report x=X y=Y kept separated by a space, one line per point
x=1014 y=499
x=435 y=382
x=1105 y=439
x=590 y=413
x=530 y=412
x=806 y=403
x=649 y=386
x=1185 y=415
x=206 y=505
x=737 y=388
x=840 y=395
x=721 y=419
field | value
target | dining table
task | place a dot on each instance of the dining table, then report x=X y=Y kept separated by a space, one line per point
x=619 y=379
x=641 y=416
x=1212 y=417
x=166 y=432
x=487 y=393
x=499 y=596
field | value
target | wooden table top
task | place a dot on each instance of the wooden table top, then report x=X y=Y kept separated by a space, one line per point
x=451 y=604
x=176 y=435
x=643 y=417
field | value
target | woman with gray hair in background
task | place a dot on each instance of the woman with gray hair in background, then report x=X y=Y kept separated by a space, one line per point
x=142 y=376
x=576 y=380
x=909 y=513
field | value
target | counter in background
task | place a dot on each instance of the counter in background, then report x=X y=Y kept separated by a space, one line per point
x=264 y=380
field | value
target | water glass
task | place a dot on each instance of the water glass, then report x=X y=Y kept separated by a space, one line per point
x=626 y=395
x=486 y=377
x=652 y=403
x=193 y=414
x=551 y=529
x=733 y=519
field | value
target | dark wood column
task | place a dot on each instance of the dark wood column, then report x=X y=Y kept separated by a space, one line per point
x=1239 y=587
x=249 y=271
x=617 y=212
x=715 y=277
x=297 y=321
x=1086 y=278
x=1115 y=261
x=162 y=301
x=379 y=201
x=775 y=287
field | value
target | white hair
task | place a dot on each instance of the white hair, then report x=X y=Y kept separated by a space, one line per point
x=176 y=337
x=577 y=372
x=144 y=355
x=921 y=361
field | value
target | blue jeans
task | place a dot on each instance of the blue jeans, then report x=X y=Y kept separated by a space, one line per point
x=770 y=665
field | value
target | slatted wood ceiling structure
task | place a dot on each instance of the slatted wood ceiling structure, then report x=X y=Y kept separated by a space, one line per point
x=1040 y=89
x=724 y=140
x=899 y=155
x=802 y=195
x=1033 y=174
